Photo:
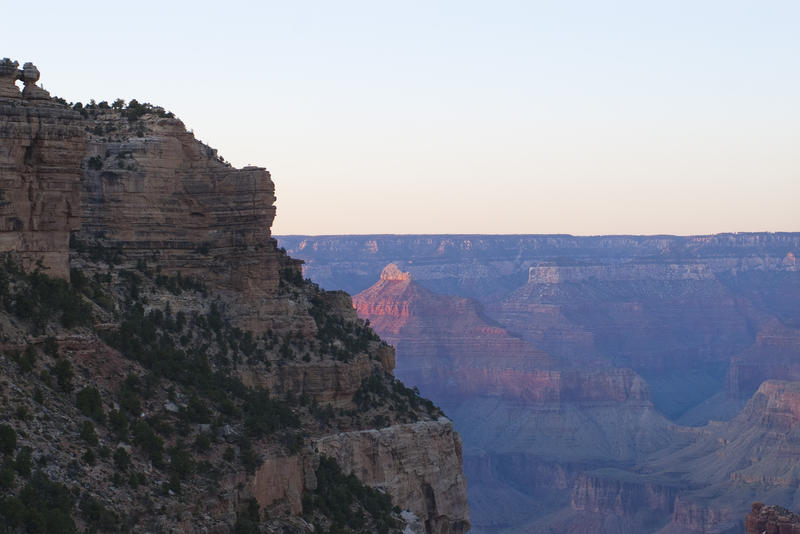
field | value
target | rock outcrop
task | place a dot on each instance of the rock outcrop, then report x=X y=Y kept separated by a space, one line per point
x=417 y=464
x=43 y=144
x=152 y=191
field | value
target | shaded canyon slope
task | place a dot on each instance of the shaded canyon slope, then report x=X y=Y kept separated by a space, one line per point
x=633 y=338
x=165 y=367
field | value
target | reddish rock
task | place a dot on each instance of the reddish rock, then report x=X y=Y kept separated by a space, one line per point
x=448 y=348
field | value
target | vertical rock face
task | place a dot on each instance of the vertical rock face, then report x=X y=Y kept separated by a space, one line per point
x=418 y=464
x=774 y=355
x=617 y=493
x=153 y=191
x=41 y=148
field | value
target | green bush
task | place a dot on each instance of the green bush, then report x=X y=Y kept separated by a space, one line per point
x=24 y=462
x=62 y=370
x=88 y=434
x=121 y=459
x=8 y=439
x=342 y=497
x=42 y=506
x=145 y=438
x=90 y=403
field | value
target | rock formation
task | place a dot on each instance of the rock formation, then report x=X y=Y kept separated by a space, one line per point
x=218 y=380
x=40 y=172
x=414 y=464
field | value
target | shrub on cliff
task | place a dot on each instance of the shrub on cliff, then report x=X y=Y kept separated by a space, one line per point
x=90 y=404
x=41 y=506
x=8 y=439
x=344 y=499
x=38 y=298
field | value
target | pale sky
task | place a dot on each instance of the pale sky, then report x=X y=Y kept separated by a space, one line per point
x=582 y=117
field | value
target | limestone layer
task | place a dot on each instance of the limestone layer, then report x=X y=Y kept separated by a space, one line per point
x=418 y=464
x=41 y=148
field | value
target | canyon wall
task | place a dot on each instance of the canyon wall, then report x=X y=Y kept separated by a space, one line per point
x=41 y=148
x=558 y=357
x=156 y=232
x=417 y=464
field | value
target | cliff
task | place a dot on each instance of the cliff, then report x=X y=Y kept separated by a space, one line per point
x=171 y=370
x=447 y=346
x=40 y=172
x=773 y=356
x=414 y=464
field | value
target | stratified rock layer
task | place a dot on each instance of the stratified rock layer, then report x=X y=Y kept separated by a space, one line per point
x=41 y=148
x=156 y=193
x=417 y=464
x=150 y=209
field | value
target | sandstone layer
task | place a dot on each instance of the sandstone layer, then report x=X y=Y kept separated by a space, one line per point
x=417 y=464
x=40 y=176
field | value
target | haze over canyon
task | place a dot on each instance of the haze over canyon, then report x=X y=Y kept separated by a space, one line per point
x=609 y=384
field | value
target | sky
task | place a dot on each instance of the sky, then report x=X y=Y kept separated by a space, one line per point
x=581 y=117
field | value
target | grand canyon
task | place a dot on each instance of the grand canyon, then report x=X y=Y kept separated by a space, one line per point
x=610 y=384
x=164 y=367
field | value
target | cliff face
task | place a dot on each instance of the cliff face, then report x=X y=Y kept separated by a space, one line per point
x=448 y=348
x=414 y=464
x=197 y=336
x=40 y=174
x=775 y=354
x=152 y=190
x=611 y=492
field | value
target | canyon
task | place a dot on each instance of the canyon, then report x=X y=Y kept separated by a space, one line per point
x=600 y=384
x=164 y=365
